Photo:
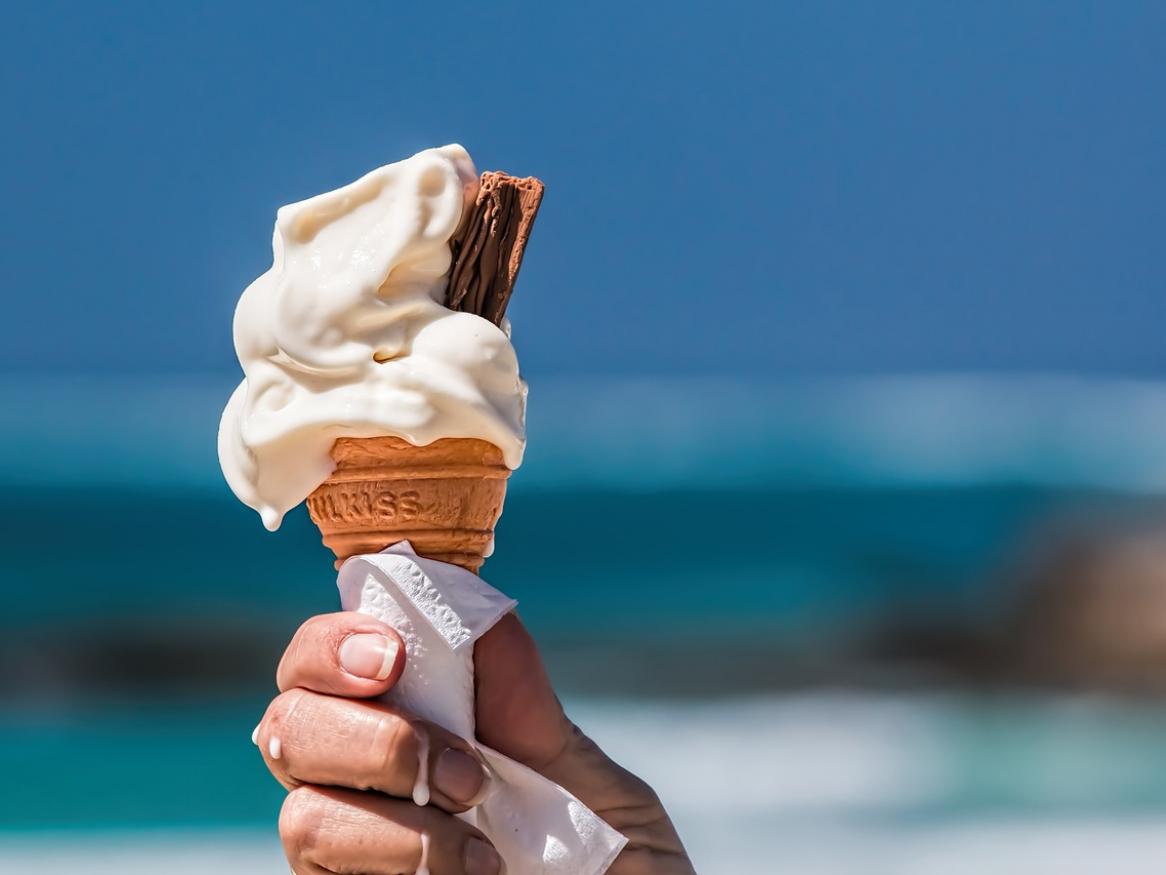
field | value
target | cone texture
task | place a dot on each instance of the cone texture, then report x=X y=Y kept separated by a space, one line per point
x=444 y=498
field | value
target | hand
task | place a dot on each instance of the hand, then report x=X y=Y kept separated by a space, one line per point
x=352 y=765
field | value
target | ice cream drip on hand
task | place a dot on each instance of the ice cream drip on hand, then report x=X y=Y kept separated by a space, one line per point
x=348 y=335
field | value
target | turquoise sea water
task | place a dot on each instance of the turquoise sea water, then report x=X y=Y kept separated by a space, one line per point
x=718 y=563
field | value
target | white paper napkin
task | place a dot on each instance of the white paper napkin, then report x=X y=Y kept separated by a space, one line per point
x=440 y=610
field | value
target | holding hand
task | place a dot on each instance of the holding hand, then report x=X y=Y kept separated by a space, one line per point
x=373 y=788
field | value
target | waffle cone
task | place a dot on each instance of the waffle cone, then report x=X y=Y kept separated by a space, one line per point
x=444 y=498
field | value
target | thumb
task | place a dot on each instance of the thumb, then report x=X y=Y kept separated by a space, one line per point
x=518 y=713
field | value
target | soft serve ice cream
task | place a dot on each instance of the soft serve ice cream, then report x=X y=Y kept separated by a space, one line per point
x=347 y=335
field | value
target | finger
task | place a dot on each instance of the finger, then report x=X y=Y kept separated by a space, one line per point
x=310 y=738
x=346 y=654
x=517 y=710
x=333 y=830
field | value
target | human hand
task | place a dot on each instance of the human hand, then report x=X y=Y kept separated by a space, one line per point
x=356 y=769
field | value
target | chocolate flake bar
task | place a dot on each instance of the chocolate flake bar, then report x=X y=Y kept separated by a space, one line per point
x=487 y=249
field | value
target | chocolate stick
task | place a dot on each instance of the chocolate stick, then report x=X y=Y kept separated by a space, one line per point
x=487 y=249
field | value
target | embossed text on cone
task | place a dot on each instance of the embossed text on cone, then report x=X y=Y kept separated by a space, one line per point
x=444 y=498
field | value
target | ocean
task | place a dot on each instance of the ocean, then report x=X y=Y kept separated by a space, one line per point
x=729 y=579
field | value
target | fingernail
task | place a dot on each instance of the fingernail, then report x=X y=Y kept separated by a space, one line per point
x=481 y=859
x=368 y=655
x=458 y=775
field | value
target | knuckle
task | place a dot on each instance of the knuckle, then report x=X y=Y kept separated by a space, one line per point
x=303 y=649
x=299 y=822
x=282 y=707
x=649 y=795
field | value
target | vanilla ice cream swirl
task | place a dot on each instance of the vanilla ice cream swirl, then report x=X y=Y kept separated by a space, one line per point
x=347 y=336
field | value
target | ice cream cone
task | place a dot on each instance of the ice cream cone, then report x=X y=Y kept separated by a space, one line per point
x=444 y=498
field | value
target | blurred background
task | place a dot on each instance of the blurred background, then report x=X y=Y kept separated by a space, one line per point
x=842 y=521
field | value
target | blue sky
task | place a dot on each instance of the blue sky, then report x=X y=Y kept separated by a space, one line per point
x=732 y=188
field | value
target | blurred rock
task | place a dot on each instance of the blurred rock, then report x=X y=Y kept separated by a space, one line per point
x=1082 y=605
x=141 y=657
x=1090 y=607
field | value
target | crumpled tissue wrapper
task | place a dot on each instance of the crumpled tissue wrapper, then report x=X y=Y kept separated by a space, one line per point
x=440 y=610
